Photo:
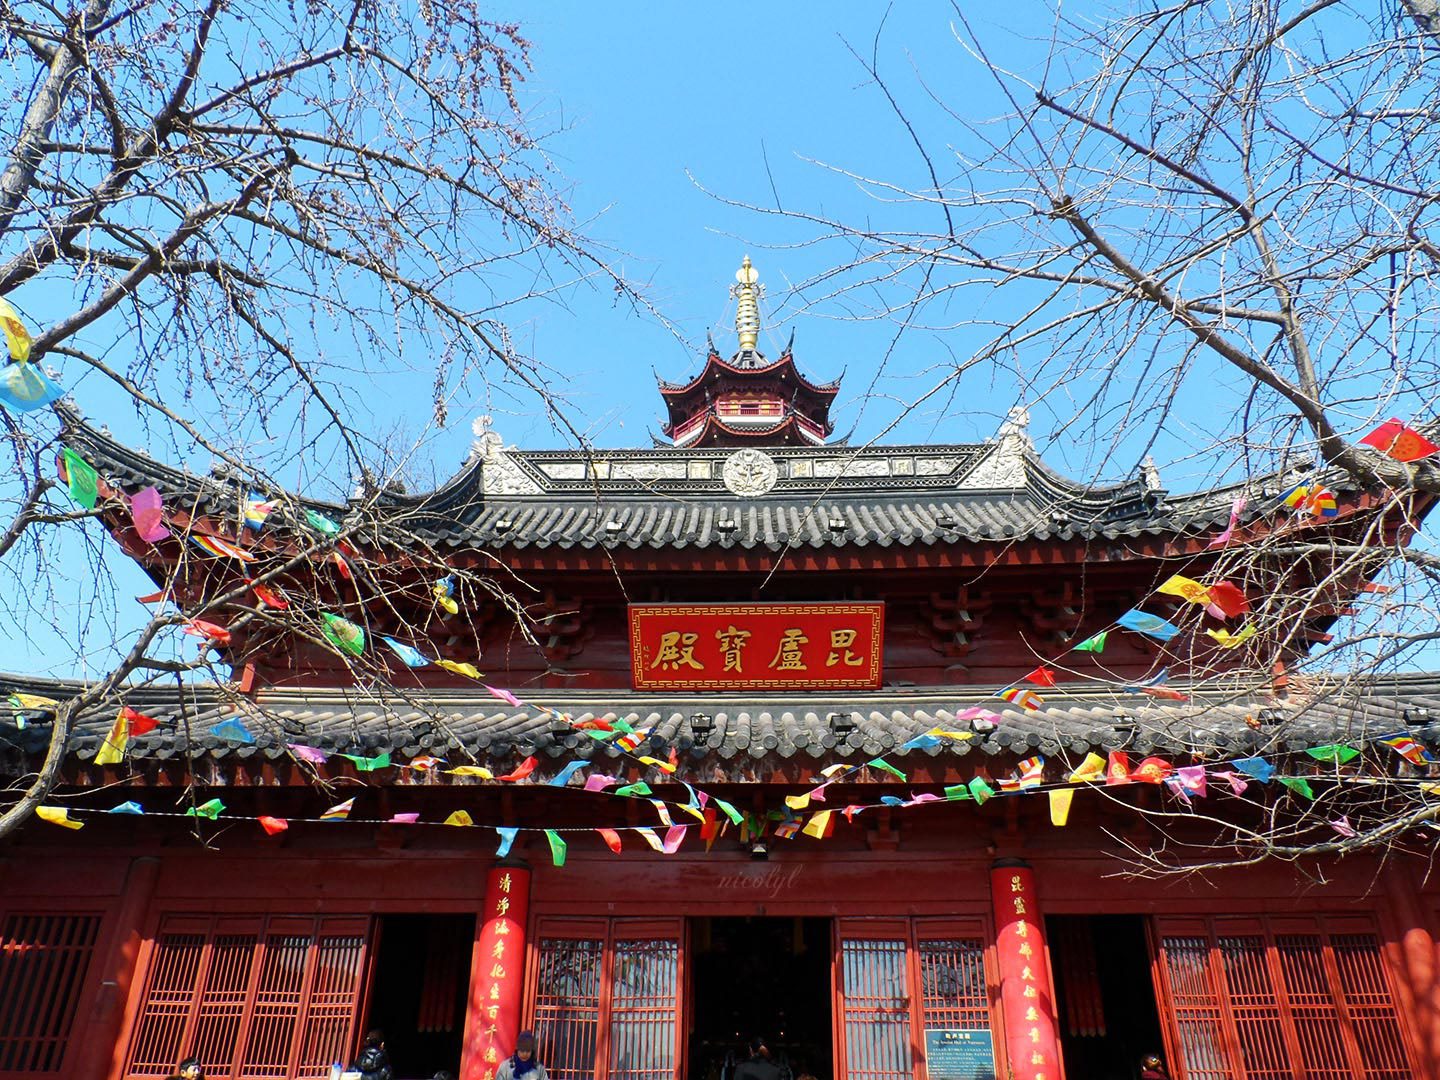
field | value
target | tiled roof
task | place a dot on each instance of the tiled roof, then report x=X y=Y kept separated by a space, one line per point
x=469 y=724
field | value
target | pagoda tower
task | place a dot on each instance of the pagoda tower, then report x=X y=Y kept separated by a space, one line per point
x=748 y=400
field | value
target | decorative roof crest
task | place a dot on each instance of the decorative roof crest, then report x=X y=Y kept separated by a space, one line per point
x=746 y=292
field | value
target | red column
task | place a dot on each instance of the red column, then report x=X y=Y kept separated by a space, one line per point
x=497 y=972
x=1028 y=1009
x=103 y=1042
x=1412 y=962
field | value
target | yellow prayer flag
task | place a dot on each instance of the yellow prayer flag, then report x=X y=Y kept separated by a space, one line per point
x=17 y=338
x=112 y=750
x=663 y=766
x=459 y=817
x=472 y=770
x=1092 y=768
x=694 y=812
x=32 y=701
x=941 y=733
x=1228 y=640
x=817 y=825
x=1187 y=589
x=831 y=770
x=798 y=802
x=58 y=815
x=460 y=667
x=1060 y=799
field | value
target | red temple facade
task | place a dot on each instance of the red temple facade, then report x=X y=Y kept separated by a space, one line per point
x=738 y=764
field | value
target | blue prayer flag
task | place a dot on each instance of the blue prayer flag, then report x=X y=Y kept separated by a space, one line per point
x=1142 y=622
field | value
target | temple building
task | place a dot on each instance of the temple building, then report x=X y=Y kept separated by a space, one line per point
x=893 y=755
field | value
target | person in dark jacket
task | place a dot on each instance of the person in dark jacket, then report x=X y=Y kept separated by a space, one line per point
x=522 y=1065
x=760 y=1066
x=373 y=1062
x=189 y=1069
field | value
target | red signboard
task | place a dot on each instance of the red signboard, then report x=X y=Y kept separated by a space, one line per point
x=756 y=646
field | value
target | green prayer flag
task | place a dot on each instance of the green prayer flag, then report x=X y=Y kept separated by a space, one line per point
x=343 y=634
x=980 y=790
x=211 y=810
x=1297 y=784
x=729 y=811
x=83 y=479
x=619 y=727
x=368 y=764
x=1337 y=753
x=1093 y=644
x=321 y=522
x=641 y=789
x=885 y=766
x=558 y=847
x=958 y=791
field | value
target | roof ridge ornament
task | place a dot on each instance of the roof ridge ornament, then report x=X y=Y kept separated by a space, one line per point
x=746 y=292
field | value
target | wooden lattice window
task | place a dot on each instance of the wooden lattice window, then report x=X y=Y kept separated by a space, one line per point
x=606 y=999
x=43 y=963
x=875 y=1002
x=254 y=998
x=1272 y=999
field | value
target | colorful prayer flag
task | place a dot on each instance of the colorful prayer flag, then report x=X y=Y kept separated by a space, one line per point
x=211 y=808
x=369 y=764
x=25 y=388
x=1152 y=770
x=477 y=771
x=1342 y=826
x=1026 y=699
x=406 y=818
x=17 y=337
x=1398 y=441
x=1117 y=768
x=58 y=815
x=634 y=791
x=1032 y=772
x=1190 y=591
x=1227 y=601
x=521 y=771
x=1060 y=800
x=1228 y=640
x=460 y=667
x=232 y=730
x=311 y=754
x=507 y=838
x=885 y=766
x=1297 y=784
x=611 y=838
x=127 y=807
x=1191 y=780
x=1095 y=643
x=273 y=825
x=558 y=847
x=1337 y=753
x=674 y=837
x=1236 y=509
x=1041 y=676
x=1142 y=622
x=1409 y=749
x=408 y=654
x=269 y=597
x=321 y=523
x=255 y=511
x=147 y=512
x=83 y=480
x=1092 y=768
x=561 y=778
x=342 y=633
x=339 y=812
x=504 y=695
x=1256 y=767
x=213 y=633
x=444 y=591
x=980 y=790
x=220 y=547
x=819 y=825
x=459 y=818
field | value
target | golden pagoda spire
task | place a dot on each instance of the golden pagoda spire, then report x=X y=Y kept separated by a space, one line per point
x=747 y=293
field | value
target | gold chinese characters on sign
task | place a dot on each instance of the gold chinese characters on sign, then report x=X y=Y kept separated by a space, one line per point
x=755 y=646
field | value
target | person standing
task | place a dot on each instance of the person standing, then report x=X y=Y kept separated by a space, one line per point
x=760 y=1065
x=522 y=1065
x=373 y=1062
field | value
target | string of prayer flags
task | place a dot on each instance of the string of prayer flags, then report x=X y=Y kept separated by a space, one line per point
x=460 y=667
x=1228 y=640
x=1041 y=676
x=17 y=337
x=1236 y=509
x=1399 y=441
x=444 y=591
x=980 y=790
x=479 y=772
x=674 y=837
x=232 y=730
x=521 y=771
x=820 y=825
x=212 y=633
x=1255 y=767
x=1089 y=770
x=561 y=778
x=612 y=839
x=1026 y=699
x=1227 y=601
x=339 y=812
x=1192 y=592
x=273 y=825
x=220 y=547
x=211 y=808
x=58 y=815
x=321 y=523
x=342 y=633
x=1338 y=753
x=1142 y=622
x=1095 y=643
x=147 y=512
x=507 y=839
x=255 y=511
x=368 y=764
x=558 y=847
x=1297 y=784
x=459 y=818
x=408 y=654
x=1060 y=800
x=25 y=388
x=83 y=480
x=309 y=754
x=1117 y=768
x=1406 y=747
x=886 y=767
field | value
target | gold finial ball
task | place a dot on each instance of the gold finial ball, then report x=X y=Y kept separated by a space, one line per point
x=747 y=274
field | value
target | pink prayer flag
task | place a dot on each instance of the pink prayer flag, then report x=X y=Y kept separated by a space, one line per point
x=673 y=838
x=977 y=713
x=596 y=782
x=404 y=819
x=307 y=753
x=145 y=509
x=923 y=798
x=818 y=794
x=504 y=695
x=1236 y=509
x=1342 y=826
x=1238 y=783
x=1192 y=779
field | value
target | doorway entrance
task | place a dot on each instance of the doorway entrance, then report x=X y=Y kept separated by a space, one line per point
x=418 y=988
x=765 y=976
x=1105 y=996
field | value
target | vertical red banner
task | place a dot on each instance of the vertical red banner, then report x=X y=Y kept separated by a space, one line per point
x=497 y=973
x=1025 y=999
